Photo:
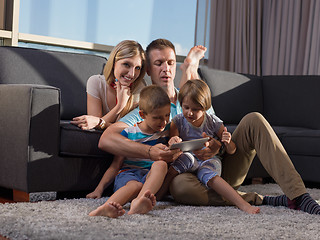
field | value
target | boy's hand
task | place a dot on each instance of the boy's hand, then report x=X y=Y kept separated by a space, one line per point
x=162 y=152
x=173 y=140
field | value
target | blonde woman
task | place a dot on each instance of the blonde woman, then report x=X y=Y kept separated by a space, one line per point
x=116 y=92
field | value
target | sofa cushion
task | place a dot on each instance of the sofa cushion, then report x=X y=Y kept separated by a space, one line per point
x=233 y=95
x=67 y=71
x=76 y=142
x=292 y=100
x=302 y=142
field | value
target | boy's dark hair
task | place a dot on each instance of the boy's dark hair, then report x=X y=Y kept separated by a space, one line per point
x=153 y=97
x=159 y=44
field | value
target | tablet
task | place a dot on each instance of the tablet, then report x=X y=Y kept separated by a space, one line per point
x=190 y=145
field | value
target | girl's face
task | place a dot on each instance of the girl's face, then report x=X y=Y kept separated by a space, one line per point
x=127 y=70
x=192 y=111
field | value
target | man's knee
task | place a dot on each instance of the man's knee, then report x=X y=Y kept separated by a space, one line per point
x=187 y=189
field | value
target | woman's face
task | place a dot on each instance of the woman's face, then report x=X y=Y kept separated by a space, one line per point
x=127 y=70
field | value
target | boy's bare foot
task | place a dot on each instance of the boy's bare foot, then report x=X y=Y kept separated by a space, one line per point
x=95 y=194
x=250 y=209
x=143 y=204
x=112 y=210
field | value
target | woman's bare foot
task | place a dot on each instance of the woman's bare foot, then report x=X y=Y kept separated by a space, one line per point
x=95 y=194
x=143 y=204
x=112 y=210
x=250 y=209
x=194 y=56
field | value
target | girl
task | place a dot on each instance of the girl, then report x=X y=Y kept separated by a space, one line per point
x=116 y=92
x=195 y=99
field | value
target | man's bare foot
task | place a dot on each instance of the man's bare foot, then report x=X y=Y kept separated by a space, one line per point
x=143 y=204
x=95 y=194
x=112 y=210
x=250 y=209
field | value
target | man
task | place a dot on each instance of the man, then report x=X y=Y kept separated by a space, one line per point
x=253 y=135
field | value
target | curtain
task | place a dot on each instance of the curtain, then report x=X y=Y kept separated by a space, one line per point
x=265 y=37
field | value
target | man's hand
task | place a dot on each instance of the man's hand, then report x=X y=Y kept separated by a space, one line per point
x=162 y=152
x=212 y=148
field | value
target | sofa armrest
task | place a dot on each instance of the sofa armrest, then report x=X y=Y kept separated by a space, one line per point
x=29 y=120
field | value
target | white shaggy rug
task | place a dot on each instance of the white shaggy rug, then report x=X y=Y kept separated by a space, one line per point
x=68 y=219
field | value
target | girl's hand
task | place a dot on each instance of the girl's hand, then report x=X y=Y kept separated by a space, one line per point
x=173 y=140
x=123 y=94
x=226 y=136
x=86 y=122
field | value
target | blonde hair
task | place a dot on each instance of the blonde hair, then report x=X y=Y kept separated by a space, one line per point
x=126 y=49
x=198 y=92
x=153 y=97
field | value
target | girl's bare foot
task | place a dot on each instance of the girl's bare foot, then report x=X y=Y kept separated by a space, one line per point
x=95 y=194
x=250 y=209
x=143 y=204
x=112 y=210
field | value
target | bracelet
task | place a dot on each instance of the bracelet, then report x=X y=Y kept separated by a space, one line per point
x=149 y=152
x=102 y=124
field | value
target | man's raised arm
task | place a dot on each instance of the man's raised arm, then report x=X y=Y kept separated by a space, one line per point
x=113 y=142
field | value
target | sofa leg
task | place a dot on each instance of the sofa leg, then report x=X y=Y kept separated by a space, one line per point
x=20 y=196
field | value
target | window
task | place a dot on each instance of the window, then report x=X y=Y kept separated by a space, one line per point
x=107 y=22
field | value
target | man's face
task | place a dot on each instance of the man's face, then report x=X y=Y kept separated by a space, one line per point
x=162 y=68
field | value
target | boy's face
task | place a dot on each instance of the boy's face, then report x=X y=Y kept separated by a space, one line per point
x=157 y=120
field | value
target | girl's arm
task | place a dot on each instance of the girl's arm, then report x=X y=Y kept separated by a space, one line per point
x=225 y=138
x=174 y=134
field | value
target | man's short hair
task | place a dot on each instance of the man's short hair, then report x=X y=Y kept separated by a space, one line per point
x=159 y=44
x=153 y=97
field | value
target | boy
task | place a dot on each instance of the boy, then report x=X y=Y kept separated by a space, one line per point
x=140 y=179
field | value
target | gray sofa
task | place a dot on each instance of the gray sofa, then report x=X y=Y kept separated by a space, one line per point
x=289 y=103
x=40 y=91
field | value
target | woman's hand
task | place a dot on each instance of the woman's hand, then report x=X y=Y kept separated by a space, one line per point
x=123 y=94
x=86 y=122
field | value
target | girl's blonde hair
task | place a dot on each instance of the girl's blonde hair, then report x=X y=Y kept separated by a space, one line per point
x=198 y=92
x=126 y=49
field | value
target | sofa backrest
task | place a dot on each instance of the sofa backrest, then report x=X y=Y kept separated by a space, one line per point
x=67 y=71
x=233 y=95
x=292 y=100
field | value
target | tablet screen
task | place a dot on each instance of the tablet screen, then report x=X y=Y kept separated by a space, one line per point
x=190 y=145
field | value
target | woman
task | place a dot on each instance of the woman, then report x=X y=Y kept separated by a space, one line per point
x=116 y=92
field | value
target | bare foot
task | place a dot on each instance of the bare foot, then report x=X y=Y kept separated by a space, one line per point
x=194 y=56
x=143 y=204
x=112 y=210
x=250 y=209
x=95 y=194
